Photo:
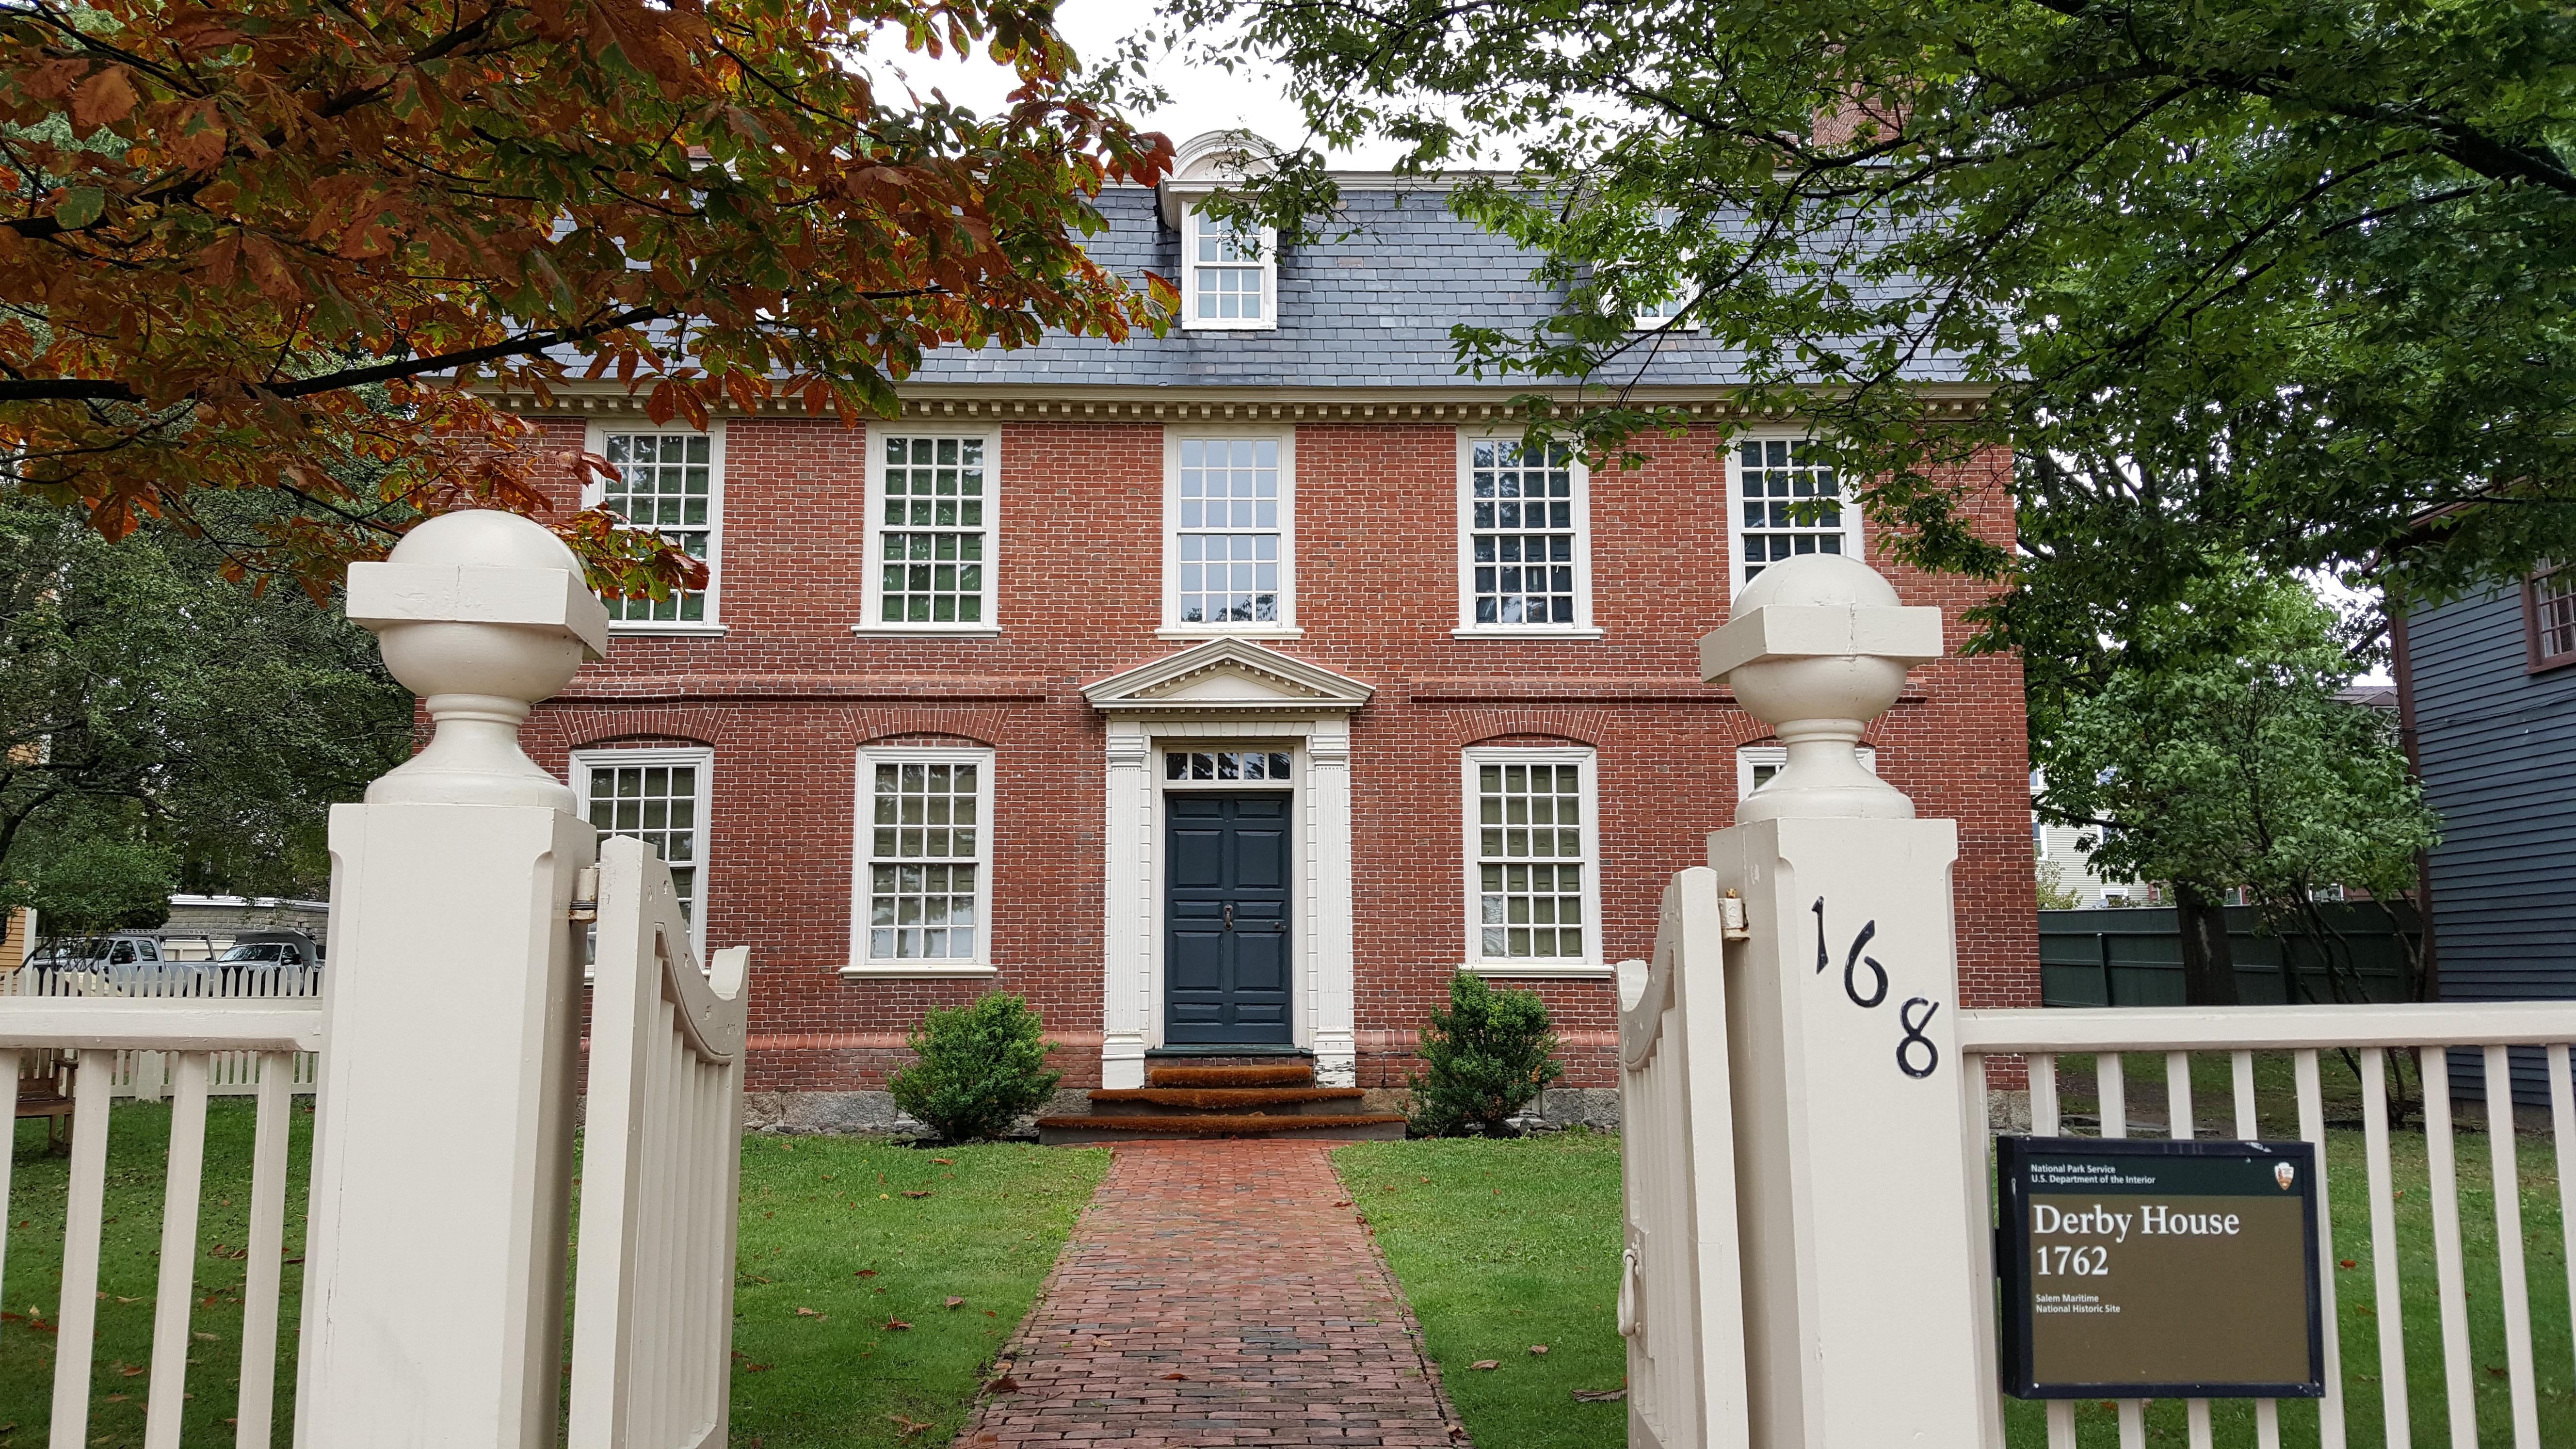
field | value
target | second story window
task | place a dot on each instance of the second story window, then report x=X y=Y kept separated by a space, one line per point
x=672 y=482
x=1230 y=276
x=931 y=537
x=1231 y=535
x=1788 y=501
x=2552 y=613
x=1524 y=559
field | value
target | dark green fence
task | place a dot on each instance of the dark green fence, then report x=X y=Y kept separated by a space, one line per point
x=2132 y=956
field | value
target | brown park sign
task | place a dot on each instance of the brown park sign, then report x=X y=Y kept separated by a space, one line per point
x=2141 y=1268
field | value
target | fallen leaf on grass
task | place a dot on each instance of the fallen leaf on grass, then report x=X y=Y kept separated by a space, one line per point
x=209 y=1338
x=910 y=1426
x=1003 y=1385
x=1485 y=1363
x=956 y=1303
x=1538 y=1350
x=114 y=1399
x=945 y=1161
x=1600 y=1396
x=867 y=1272
x=2499 y=1373
x=755 y=1277
x=897 y=1324
x=130 y=1370
x=925 y=1192
x=807 y=1313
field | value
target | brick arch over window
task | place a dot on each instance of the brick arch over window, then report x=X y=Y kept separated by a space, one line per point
x=553 y=732
x=930 y=739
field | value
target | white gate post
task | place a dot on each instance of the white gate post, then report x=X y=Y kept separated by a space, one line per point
x=1861 y=1219
x=434 y=1277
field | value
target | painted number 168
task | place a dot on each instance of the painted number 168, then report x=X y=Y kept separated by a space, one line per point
x=2073 y=1262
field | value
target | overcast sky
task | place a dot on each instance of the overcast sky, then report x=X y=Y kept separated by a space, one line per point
x=1203 y=97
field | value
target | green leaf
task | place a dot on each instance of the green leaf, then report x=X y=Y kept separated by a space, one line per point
x=81 y=206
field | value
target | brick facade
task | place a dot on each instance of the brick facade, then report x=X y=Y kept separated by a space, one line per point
x=788 y=693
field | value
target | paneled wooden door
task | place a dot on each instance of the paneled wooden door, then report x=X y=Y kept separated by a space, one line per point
x=1225 y=915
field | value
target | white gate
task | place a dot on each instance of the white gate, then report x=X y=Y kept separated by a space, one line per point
x=448 y=1033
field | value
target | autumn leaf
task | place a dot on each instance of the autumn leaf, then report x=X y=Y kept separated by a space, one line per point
x=1168 y=1377
x=956 y=1303
x=1003 y=1385
x=807 y=1313
x=1599 y=1396
x=897 y=1324
x=867 y=1272
x=103 y=99
x=1485 y=1363
x=923 y=1193
x=1538 y=1350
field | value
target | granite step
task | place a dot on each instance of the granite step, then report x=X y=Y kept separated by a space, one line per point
x=1353 y=1127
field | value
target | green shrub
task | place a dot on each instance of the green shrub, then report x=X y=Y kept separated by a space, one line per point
x=981 y=1066
x=1484 y=1059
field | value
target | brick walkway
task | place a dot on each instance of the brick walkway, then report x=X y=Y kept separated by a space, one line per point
x=1215 y=1294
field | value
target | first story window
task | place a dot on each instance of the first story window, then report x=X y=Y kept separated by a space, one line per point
x=671 y=482
x=934 y=500
x=1522 y=517
x=658 y=796
x=1788 y=501
x=2552 y=605
x=926 y=847
x=1532 y=850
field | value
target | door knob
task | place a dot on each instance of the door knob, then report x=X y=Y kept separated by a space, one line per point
x=1229 y=915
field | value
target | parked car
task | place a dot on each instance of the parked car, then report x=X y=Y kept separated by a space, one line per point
x=89 y=953
x=270 y=963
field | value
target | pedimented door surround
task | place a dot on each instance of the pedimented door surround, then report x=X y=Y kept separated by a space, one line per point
x=1228 y=690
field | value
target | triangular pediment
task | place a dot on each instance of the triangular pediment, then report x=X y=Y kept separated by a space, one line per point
x=1229 y=677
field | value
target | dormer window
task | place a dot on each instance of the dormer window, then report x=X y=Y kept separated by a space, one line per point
x=1232 y=275
x=1655 y=314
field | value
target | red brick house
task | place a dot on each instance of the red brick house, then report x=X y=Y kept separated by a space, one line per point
x=1230 y=691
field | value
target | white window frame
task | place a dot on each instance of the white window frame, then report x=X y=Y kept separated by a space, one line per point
x=873 y=604
x=1749 y=758
x=862 y=856
x=1468 y=628
x=1286 y=625
x=594 y=490
x=1675 y=320
x=1470 y=904
x=577 y=771
x=1855 y=542
x=1268 y=263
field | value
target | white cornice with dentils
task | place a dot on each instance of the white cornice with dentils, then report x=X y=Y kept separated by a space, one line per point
x=1023 y=402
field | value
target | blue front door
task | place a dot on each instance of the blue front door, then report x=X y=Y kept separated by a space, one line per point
x=1225 y=942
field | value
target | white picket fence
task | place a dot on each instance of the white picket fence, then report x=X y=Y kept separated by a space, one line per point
x=2430 y=1033
x=445 y=1058
x=150 y=1075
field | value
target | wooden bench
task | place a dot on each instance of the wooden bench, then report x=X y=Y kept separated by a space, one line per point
x=42 y=1095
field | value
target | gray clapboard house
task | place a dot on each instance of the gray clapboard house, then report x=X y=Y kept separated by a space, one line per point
x=2487 y=694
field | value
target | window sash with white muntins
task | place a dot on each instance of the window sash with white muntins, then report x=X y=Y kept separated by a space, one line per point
x=932 y=532
x=661 y=798
x=2553 y=617
x=1230 y=534
x=671 y=482
x=1231 y=278
x=925 y=882
x=1788 y=501
x=1534 y=897
x=1524 y=546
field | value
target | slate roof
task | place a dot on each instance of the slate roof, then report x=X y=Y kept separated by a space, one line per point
x=1369 y=309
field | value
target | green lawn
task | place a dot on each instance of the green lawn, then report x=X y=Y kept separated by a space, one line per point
x=1504 y=1244
x=817 y=1212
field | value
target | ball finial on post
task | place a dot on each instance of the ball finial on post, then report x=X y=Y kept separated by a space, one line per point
x=1819 y=646
x=481 y=613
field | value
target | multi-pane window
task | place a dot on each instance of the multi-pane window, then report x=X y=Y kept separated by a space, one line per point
x=1662 y=310
x=1524 y=536
x=1757 y=765
x=1226 y=765
x=668 y=482
x=660 y=798
x=2553 y=617
x=1227 y=544
x=1532 y=852
x=1788 y=502
x=927 y=842
x=1230 y=272
x=933 y=531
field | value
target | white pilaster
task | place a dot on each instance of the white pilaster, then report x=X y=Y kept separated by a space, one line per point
x=1126 y=946
x=1331 y=990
